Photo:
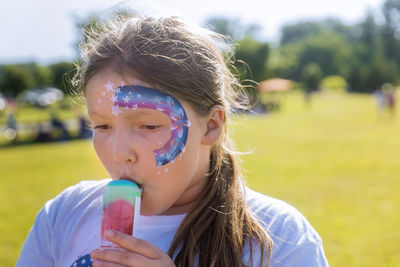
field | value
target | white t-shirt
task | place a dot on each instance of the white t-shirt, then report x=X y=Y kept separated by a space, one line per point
x=67 y=229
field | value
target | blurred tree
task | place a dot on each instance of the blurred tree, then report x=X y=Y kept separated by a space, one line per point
x=369 y=32
x=373 y=59
x=358 y=60
x=255 y=55
x=281 y=60
x=378 y=72
x=391 y=29
x=328 y=49
x=312 y=76
x=15 y=79
x=299 y=31
x=366 y=43
x=42 y=75
x=251 y=55
x=305 y=29
x=355 y=52
x=63 y=73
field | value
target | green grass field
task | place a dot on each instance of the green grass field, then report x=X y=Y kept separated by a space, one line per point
x=335 y=161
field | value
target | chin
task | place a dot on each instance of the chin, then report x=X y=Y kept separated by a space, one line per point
x=149 y=211
x=147 y=214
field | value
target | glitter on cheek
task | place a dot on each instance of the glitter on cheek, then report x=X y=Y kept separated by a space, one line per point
x=109 y=86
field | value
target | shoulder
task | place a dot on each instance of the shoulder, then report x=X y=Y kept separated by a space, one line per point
x=295 y=241
x=277 y=214
x=84 y=189
x=59 y=224
x=83 y=194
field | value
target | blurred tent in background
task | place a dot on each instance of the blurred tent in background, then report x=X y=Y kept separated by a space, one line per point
x=275 y=85
x=270 y=90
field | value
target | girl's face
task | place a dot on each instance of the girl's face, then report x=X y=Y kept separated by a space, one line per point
x=137 y=136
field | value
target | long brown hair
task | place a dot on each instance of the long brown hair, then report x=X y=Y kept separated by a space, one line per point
x=189 y=63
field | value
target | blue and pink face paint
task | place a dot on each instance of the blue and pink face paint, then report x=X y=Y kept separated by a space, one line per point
x=132 y=97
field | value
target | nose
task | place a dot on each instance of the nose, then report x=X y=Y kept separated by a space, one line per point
x=124 y=147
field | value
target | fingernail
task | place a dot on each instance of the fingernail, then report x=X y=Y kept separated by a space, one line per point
x=94 y=253
x=110 y=232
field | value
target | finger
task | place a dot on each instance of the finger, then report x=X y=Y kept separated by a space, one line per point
x=123 y=257
x=134 y=244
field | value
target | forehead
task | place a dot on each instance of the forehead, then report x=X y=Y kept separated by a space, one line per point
x=97 y=83
x=110 y=92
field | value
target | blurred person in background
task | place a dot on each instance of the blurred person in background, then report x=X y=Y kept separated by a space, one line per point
x=389 y=98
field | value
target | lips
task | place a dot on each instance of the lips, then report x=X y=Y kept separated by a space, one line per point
x=131 y=180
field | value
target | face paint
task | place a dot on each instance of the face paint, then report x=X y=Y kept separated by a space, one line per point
x=136 y=96
x=109 y=86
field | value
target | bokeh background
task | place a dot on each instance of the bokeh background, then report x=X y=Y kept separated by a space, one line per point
x=323 y=133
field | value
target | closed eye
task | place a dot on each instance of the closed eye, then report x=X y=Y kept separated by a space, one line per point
x=150 y=127
x=102 y=126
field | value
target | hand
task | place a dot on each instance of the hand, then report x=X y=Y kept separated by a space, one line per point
x=136 y=252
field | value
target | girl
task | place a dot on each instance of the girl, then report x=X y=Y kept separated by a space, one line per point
x=159 y=95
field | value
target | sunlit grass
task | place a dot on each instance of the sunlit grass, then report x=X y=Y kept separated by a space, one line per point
x=339 y=165
x=334 y=160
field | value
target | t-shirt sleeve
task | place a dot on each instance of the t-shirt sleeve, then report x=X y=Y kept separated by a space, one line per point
x=298 y=249
x=36 y=250
x=57 y=227
x=295 y=241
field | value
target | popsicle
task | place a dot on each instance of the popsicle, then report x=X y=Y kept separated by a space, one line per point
x=121 y=205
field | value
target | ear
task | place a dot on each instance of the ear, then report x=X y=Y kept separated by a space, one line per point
x=214 y=125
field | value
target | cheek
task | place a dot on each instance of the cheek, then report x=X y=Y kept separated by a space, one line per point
x=102 y=148
x=157 y=140
x=97 y=143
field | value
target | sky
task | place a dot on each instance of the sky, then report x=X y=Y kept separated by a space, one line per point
x=45 y=31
